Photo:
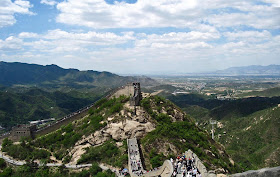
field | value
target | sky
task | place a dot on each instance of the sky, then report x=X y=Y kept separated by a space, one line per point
x=141 y=36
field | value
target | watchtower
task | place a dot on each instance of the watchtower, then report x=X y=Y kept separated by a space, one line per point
x=22 y=131
x=137 y=95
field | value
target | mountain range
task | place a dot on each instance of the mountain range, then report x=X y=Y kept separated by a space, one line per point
x=251 y=70
x=54 y=76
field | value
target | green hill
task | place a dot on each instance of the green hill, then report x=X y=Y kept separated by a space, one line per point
x=169 y=132
x=36 y=104
x=170 y=137
x=254 y=140
x=53 y=76
x=255 y=148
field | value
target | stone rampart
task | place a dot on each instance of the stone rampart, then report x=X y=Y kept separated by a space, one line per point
x=265 y=172
x=59 y=123
x=127 y=90
x=199 y=164
x=164 y=171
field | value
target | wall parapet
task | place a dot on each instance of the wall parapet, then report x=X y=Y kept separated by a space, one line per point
x=198 y=163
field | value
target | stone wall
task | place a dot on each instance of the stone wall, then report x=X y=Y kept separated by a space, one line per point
x=199 y=164
x=59 y=123
x=164 y=171
x=265 y=172
x=127 y=90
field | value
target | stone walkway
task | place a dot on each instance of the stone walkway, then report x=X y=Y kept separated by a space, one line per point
x=135 y=165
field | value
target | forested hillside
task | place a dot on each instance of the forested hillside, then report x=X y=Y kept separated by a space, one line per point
x=248 y=127
x=36 y=104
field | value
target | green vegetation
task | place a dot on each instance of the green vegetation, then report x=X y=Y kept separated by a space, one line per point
x=183 y=135
x=60 y=141
x=54 y=77
x=156 y=159
x=36 y=104
x=107 y=153
x=23 y=151
x=2 y=163
x=243 y=107
x=31 y=170
x=185 y=100
x=266 y=93
x=198 y=113
x=201 y=107
x=254 y=140
x=157 y=103
x=32 y=92
x=251 y=142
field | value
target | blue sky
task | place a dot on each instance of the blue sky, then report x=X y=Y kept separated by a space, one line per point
x=141 y=37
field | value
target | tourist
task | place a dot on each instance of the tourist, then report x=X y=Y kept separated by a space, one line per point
x=194 y=172
x=174 y=173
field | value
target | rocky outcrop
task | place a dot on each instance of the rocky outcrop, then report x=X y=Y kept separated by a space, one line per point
x=121 y=126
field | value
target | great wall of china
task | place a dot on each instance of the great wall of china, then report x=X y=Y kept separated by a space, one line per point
x=123 y=90
x=165 y=170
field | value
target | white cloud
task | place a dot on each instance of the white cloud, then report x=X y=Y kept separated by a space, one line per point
x=48 y=2
x=8 y=9
x=249 y=36
x=275 y=3
x=107 y=38
x=62 y=41
x=256 y=16
x=186 y=46
x=166 y=13
x=190 y=40
x=130 y=52
x=144 y=13
x=10 y=44
x=28 y=35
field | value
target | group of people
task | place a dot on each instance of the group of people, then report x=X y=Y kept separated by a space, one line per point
x=185 y=167
x=135 y=161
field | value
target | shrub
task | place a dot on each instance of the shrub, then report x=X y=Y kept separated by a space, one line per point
x=2 y=163
x=94 y=169
x=6 y=172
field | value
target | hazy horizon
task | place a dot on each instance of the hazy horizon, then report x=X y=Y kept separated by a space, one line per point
x=141 y=37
